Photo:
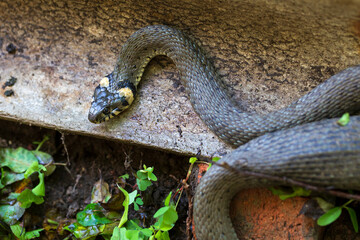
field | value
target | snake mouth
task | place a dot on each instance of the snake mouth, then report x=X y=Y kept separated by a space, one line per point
x=94 y=119
x=103 y=115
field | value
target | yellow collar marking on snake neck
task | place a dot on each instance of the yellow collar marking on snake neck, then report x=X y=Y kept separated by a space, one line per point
x=127 y=93
x=104 y=82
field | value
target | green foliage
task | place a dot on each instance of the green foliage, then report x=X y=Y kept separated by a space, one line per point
x=17 y=165
x=136 y=199
x=296 y=192
x=166 y=216
x=192 y=160
x=34 y=167
x=214 y=159
x=144 y=178
x=8 y=177
x=20 y=233
x=344 y=120
x=10 y=214
x=126 y=204
x=330 y=216
x=331 y=213
x=125 y=176
x=334 y=213
x=94 y=220
x=128 y=230
x=353 y=218
x=27 y=197
x=82 y=232
x=92 y=215
x=46 y=138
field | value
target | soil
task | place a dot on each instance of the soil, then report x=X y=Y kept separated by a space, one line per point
x=68 y=189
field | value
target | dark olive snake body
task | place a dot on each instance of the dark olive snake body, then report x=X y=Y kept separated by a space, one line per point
x=296 y=143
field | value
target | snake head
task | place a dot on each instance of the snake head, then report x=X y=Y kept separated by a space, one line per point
x=106 y=103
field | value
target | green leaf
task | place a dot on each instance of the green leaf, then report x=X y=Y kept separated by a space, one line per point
x=152 y=177
x=92 y=215
x=27 y=197
x=125 y=176
x=353 y=218
x=147 y=232
x=132 y=234
x=141 y=174
x=192 y=160
x=167 y=199
x=18 y=160
x=160 y=235
x=42 y=142
x=285 y=194
x=116 y=234
x=167 y=216
x=161 y=211
x=39 y=190
x=33 y=234
x=215 y=159
x=85 y=233
x=132 y=196
x=124 y=217
x=147 y=173
x=344 y=120
x=170 y=216
x=16 y=230
x=143 y=184
x=20 y=233
x=10 y=214
x=43 y=157
x=34 y=167
x=330 y=216
x=8 y=177
x=139 y=201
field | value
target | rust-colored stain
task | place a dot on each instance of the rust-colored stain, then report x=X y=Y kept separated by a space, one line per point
x=258 y=214
x=202 y=169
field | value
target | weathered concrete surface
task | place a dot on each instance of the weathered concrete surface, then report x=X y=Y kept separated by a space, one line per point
x=268 y=52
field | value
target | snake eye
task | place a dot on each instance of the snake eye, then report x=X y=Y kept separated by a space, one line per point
x=106 y=111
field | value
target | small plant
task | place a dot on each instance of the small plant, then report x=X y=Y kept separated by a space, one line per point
x=331 y=213
x=144 y=177
x=296 y=192
x=99 y=219
x=22 y=166
x=344 y=120
x=334 y=213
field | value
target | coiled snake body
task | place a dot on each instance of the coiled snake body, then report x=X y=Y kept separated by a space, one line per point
x=321 y=153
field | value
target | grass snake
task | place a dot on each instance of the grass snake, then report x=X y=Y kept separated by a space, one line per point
x=294 y=141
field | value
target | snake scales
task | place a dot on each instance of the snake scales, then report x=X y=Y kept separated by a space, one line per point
x=296 y=143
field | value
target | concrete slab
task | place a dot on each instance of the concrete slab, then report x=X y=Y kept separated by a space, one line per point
x=269 y=53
